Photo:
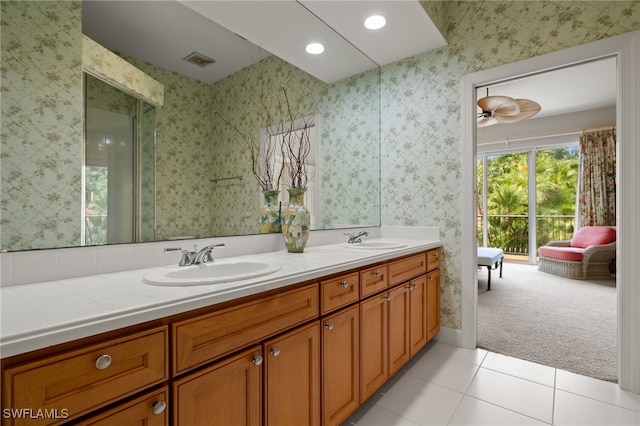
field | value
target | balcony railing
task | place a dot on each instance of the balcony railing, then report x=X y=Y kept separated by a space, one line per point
x=511 y=232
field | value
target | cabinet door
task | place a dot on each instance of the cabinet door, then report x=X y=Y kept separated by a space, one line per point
x=292 y=377
x=418 y=334
x=433 y=303
x=148 y=410
x=227 y=393
x=374 y=368
x=340 y=365
x=399 y=315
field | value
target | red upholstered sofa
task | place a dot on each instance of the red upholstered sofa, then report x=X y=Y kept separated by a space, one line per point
x=587 y=255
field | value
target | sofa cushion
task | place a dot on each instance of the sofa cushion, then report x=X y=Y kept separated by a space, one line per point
x=562 y=253
x=593 y=236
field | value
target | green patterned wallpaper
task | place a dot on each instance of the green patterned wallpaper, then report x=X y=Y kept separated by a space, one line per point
x=421 y=137
x=41 y=124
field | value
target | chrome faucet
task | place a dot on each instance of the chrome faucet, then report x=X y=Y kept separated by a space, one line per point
x=195 y=257
x=355 y=238
x=204 y=255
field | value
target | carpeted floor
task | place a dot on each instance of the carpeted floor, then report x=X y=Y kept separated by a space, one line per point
x=540 y=317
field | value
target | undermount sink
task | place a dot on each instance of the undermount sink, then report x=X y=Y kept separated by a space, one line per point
x=375 y=245
x=218 y=271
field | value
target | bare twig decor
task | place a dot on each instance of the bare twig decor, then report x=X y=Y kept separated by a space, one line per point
x=296 y=147
x=264 y=166
x=292 y=147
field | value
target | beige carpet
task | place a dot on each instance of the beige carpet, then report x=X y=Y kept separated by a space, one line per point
x=536 y=316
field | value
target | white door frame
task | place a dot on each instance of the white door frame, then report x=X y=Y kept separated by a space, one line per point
x=626 y=48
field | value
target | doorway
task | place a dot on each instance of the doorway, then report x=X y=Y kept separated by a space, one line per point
x=626 y=48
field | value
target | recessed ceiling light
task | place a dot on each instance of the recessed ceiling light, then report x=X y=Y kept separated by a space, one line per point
x=375 y=22
x=314 y=48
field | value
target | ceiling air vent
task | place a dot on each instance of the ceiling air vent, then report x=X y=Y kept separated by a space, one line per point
x=199 y=59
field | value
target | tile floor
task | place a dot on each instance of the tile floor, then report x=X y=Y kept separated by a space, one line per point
x=446 y=385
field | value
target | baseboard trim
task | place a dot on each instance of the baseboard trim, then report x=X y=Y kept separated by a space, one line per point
x=450 y=336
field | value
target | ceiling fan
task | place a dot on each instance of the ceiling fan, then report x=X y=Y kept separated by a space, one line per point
x=503 y=109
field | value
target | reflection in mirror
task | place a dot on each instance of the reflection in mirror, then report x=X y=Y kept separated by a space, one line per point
x=119 y=168
x=41 y=194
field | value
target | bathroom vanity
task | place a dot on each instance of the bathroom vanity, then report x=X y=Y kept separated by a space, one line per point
x=306 y=345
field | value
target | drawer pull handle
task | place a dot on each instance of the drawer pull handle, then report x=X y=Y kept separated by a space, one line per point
x=103 y=362
x=275 y=351
x=329 y=326
x=345 y=284
x=158 y=407
x=377 y=273
x=257 y=360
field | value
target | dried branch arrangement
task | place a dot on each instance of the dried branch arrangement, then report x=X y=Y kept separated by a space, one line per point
x=296 y=147
x=292 y=147
x=263 y=157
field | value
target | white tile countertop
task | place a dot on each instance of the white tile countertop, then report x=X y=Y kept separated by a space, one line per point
x=42 y=314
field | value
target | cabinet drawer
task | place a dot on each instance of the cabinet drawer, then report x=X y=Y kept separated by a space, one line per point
x=373 y=280
x=433 y=259
x=407 y=268
x=149 y=410
x=79 y=381
x=339 y=292
x=205 y=338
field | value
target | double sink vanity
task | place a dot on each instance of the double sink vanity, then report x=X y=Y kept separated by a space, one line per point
x=272 y=338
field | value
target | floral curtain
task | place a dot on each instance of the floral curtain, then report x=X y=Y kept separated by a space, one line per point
x=597 y=181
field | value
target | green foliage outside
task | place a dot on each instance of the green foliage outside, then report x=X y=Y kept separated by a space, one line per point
x=507 y=201
x=96 y=181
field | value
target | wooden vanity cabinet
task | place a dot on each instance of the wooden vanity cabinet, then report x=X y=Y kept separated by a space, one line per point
x=149 y=410
x=200 y=340
x=307 y=354
x=292 y=377
x=340 y=365
x=228 y=392
x=76 y=382
x=433 y=303
x=374 y=332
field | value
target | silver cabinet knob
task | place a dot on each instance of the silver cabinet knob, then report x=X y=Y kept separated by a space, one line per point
x=387 y=297
x=257 y=360
x=377 y=273
x=158 y=407
x=103 y=362
x=345 y=284
x=329 y=326
x=275 y=351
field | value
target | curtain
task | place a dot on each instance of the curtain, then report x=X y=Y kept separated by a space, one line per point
x=597 y=180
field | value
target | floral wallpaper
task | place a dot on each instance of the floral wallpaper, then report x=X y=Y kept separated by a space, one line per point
x=119 y=73
x=421 y=137
x=41 y=132
x=41 y=129
x=349 y=151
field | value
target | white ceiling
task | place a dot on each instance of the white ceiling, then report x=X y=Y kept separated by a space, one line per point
x=581 y=87
x=164 y=32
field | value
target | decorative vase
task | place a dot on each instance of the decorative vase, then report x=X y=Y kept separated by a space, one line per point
x=270 y=213
x=296 y=220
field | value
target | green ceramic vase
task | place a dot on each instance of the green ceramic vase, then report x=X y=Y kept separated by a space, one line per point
x=270 y=213
x=296 y=221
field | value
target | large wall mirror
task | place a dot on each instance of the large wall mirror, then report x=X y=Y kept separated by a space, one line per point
x=197 y=155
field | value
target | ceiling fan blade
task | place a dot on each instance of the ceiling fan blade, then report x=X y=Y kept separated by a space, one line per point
x=528 y=108
x=502 y=104
x=487 y=121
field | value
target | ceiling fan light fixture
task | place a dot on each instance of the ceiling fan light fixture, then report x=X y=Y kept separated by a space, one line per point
x=503 y=109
